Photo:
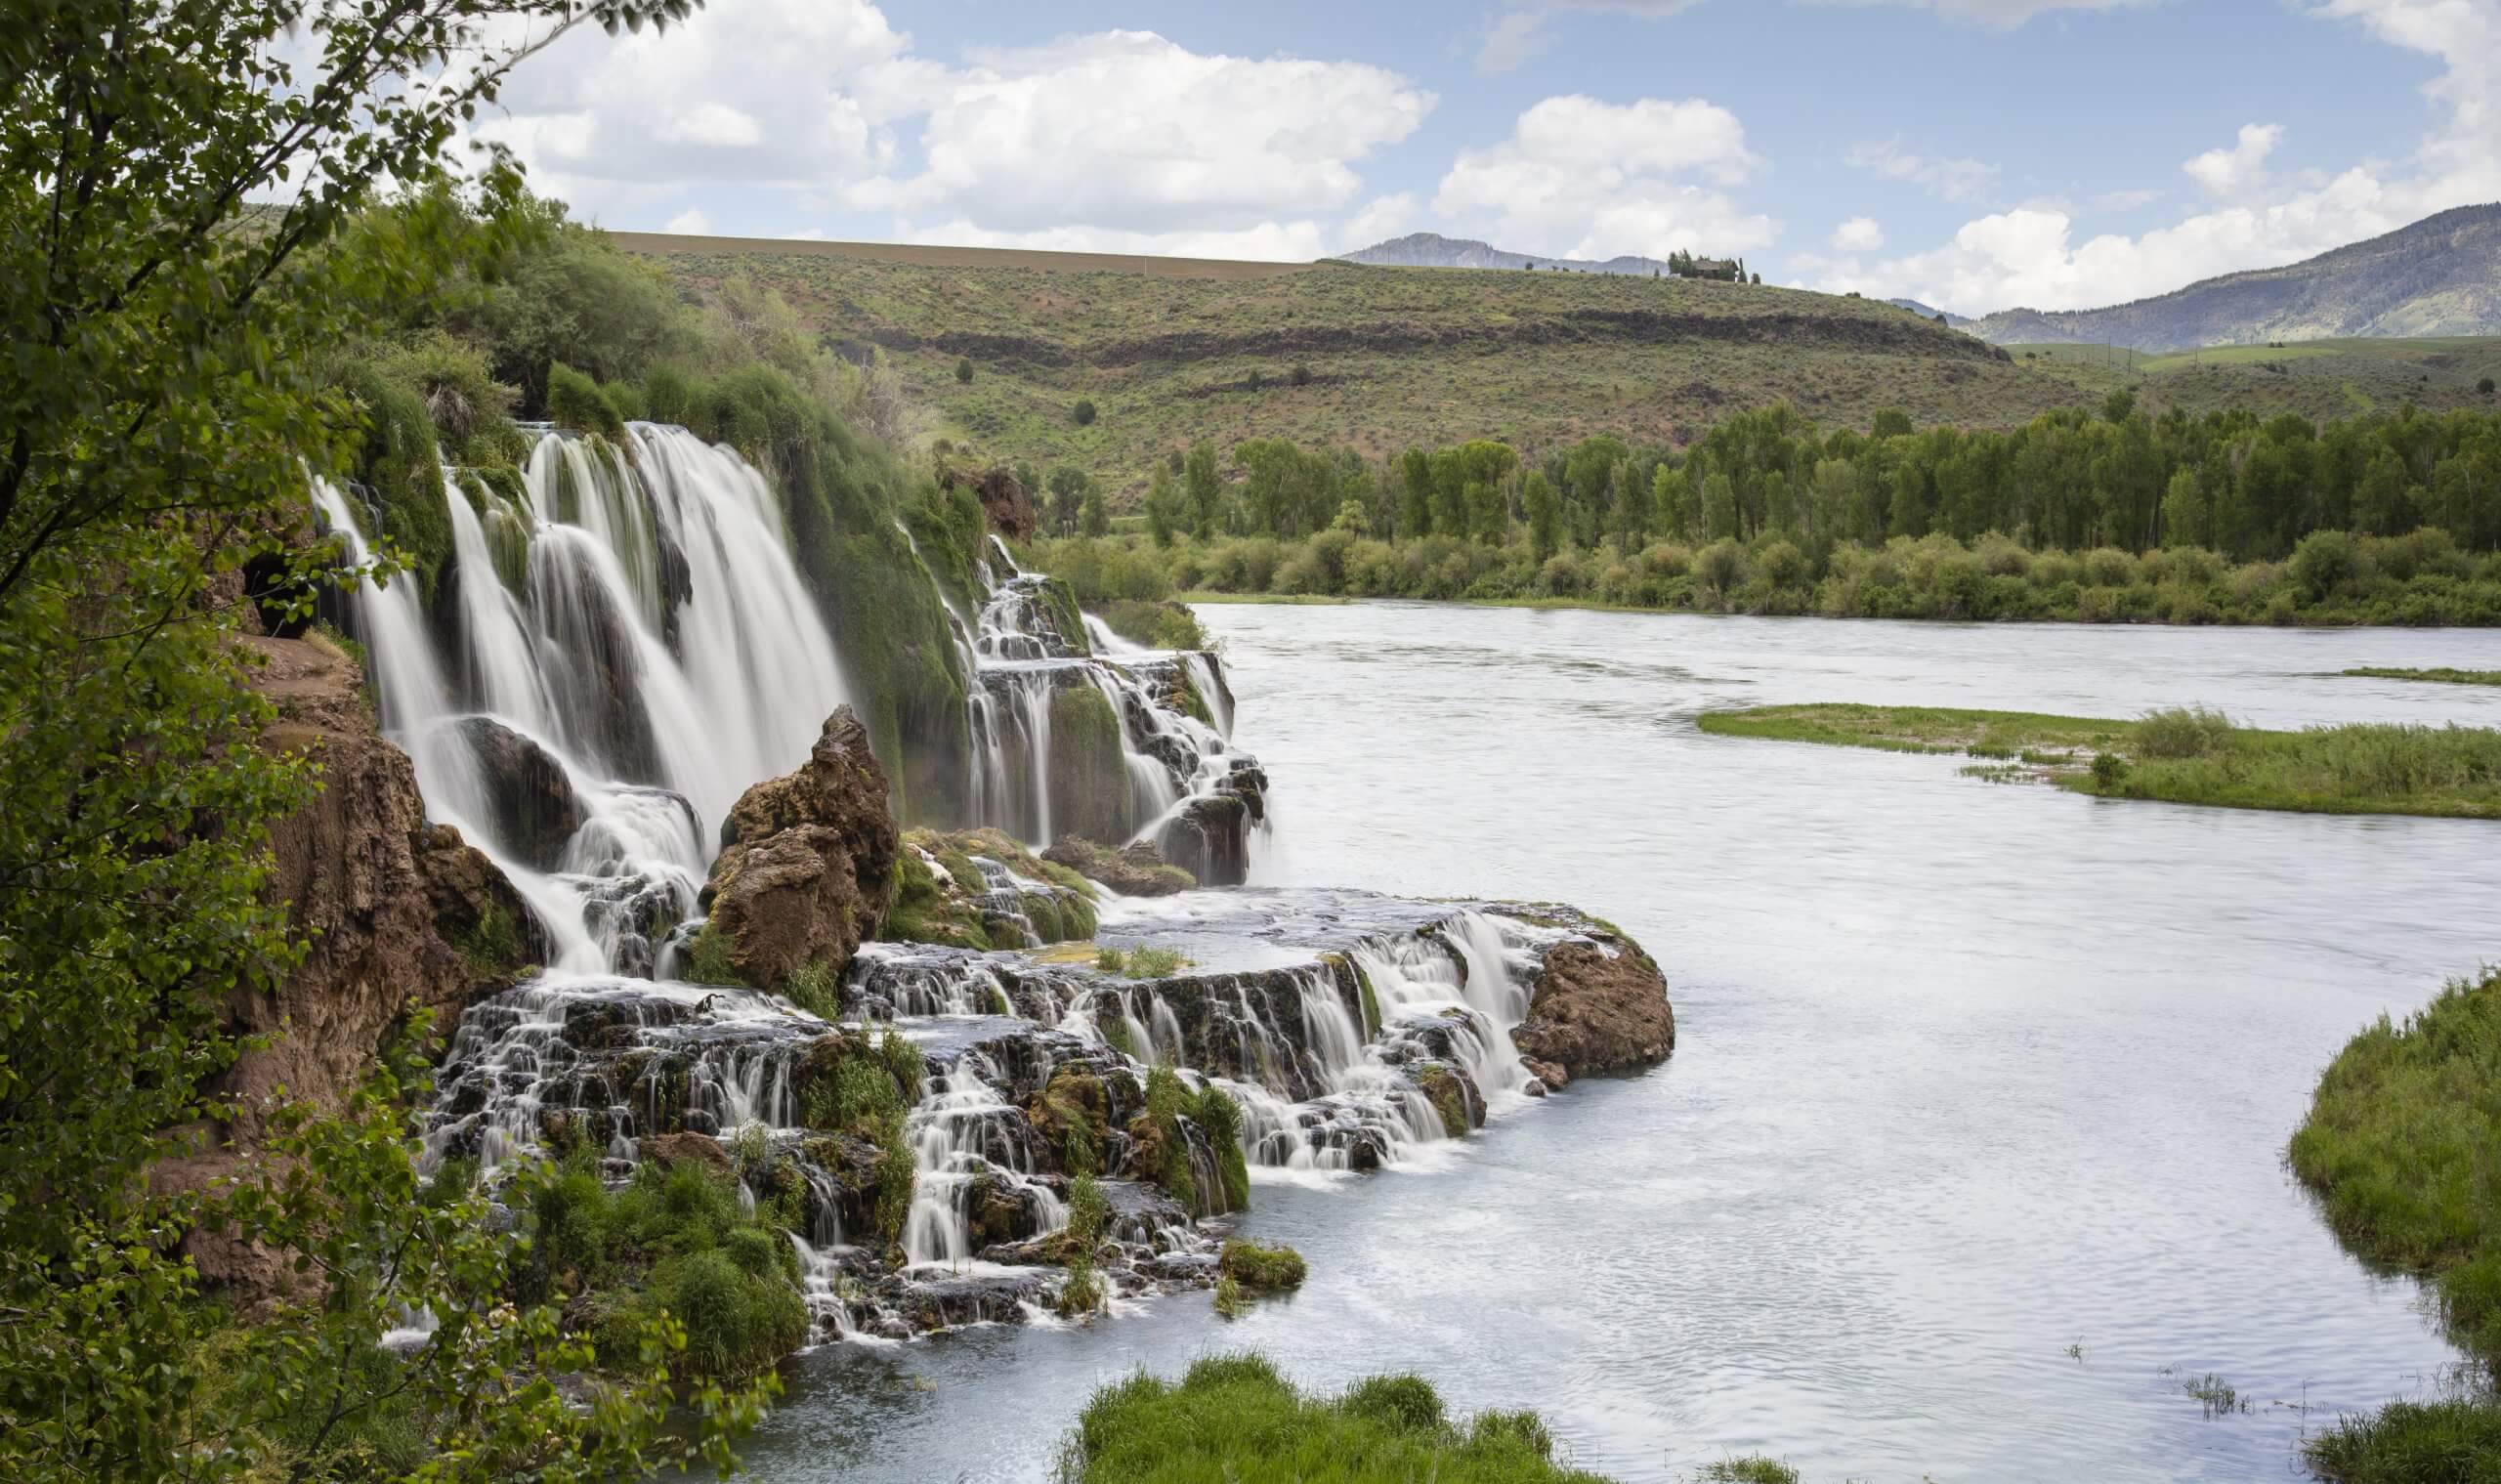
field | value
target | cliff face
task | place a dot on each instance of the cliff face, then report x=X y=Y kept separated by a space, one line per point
x=401 y=917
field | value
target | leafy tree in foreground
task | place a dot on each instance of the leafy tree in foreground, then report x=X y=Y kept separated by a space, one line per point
x=162 y=407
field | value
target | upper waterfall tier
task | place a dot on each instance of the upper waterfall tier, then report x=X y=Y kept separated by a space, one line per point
x=616 y=650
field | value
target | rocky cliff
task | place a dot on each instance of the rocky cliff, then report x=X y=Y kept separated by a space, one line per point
x=401 y=917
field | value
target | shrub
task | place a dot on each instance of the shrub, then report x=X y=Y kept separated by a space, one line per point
x=1781 y=563
x=1083 y=414
x=1720 y=565
x=2001 y=557
x=1665 y=558
x=1405 y=1403
x=2109 y=771
x=2324 y=562
x=573 y=400
x=964 y=370
x=2109 y=567
x=2182 y=731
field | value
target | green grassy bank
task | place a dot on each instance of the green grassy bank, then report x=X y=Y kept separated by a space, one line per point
x=2442 y=675
x=1233 y=1417
x=2181 y=756
x=2401 y=1144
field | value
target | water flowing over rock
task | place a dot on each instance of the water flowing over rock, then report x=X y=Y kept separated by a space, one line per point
x=809 y=870
x=623 y=676
x=529 y=796
x=1080 y=734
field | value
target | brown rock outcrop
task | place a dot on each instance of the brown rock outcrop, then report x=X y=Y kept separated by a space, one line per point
x=400 y=916
x=809 y=868
x=1006 y=503
x=1598 y=1004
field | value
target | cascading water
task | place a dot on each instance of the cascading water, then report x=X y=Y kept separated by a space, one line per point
x=1022 y=656
x=621 y=646
x=660 y=655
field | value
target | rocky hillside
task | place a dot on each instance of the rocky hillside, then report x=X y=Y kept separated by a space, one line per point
x=1112 y=372
x=2439 y=276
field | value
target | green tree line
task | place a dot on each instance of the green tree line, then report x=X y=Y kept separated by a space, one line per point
x=2114 y=516
x=2248 y=488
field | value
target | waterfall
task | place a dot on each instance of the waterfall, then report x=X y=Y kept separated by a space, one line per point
x=1019 y=660
x=617 y=648
x=964 y=1131
x=661 y=653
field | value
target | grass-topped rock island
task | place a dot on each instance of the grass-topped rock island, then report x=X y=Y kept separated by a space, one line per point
x=2180 y=756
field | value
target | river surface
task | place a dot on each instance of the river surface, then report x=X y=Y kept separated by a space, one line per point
x=1969 y=1156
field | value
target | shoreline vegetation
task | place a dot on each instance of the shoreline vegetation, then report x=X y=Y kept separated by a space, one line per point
x=1235 y=1418
x=2331 y=579
x=2440 y=675
x=2180 y=755
x=2108 y=517
x=2398 y=1148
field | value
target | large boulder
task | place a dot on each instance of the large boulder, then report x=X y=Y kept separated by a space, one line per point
x=399 y=917
x=531 y=803
x=809 y=868
x=1598 y=1004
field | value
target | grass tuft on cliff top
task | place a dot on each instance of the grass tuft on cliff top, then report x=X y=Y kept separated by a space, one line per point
x=1233 y=1417
x=2399 y=1147
x=2181 y=755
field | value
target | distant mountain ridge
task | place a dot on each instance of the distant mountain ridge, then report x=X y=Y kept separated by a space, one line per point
x=1430 y=249
x=2439 y=276
x=1930 y=310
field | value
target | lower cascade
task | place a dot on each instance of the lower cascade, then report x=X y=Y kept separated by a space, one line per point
x=1306 y=1030
x=995 y=1076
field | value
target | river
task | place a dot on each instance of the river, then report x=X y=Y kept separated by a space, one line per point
x=1969 y=1157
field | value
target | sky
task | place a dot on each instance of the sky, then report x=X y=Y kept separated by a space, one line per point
x=1976 y=154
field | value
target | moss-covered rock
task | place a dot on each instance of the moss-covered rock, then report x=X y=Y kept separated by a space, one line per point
x=944 y=896
x=1090 y=780
x=1262 y=1268
x=1136 y=870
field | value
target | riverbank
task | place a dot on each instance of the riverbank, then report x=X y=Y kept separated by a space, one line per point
x=2442 y=675
x=2330 y=579
x=2398 y=1146
x=2183 y=755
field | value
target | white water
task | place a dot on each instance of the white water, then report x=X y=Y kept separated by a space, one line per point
x=663 y=700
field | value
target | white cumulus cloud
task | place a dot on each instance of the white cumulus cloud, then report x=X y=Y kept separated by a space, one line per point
x=2233 y=172
x=1116 y=137
x=1583 y=177
x=1858 y=235
x=1130 y=131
